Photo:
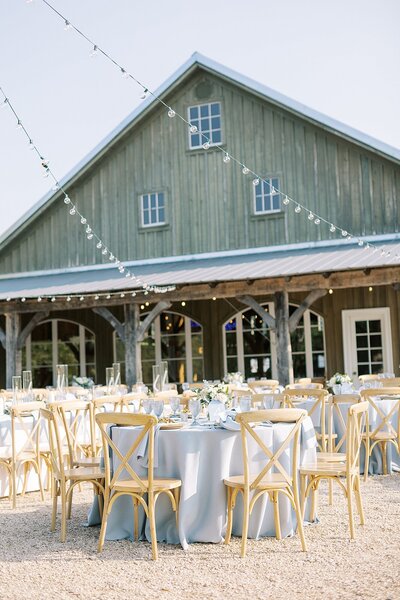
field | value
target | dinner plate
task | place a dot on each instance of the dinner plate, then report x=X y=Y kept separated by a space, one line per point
x=171 y=425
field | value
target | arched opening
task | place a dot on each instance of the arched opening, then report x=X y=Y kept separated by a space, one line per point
x=59 y=341
x=249 y=345
x=172 y=337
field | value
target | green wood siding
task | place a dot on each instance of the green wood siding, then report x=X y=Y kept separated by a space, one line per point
x=210 y=204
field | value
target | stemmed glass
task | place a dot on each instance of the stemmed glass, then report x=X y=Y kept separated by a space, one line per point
x=194 y=407
x=174 y=403
x=147 y=406
x=185 y=386
x=158 y=408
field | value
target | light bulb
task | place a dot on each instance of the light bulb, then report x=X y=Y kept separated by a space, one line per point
x=88 y=229
x=332 y=228
x=55 y=187
x=206 y=145
x=23 y=299
x=310 y=216
x=72 y=211
x=227 y=158
x=360 y=243
x=272 y=190
x=96 y=297
x=144 y=95
x=349 y=236
x=331 y=291
x=133 y=294
x=67 y=25
x=108 y=296
x=122 y=295
x=127 y=275
x=83 y=221
x=53 y=299
x=171 y=113
x=94 y=52
x=19 y=124
x=193 y=129
x=89 y=236
x=111 y=257
x=388 y=253
x=256 y=181
x=104 y=251
x=344 y=233
x=67 y=200
x=286 y=201
x=39 y=299
x=99 y=245
x=121 y=269
x=245 y=171
x=317 y=221
x=68 y=298
x=297 y=209
x=370 y=289
x=82 y=298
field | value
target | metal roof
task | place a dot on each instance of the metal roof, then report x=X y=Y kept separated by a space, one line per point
x=195 y=60
x=268 y=264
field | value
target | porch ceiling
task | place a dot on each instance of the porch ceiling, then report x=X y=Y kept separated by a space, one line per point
x=216 y=269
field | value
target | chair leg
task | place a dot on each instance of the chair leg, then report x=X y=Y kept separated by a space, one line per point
x=177 y=494
x=63 y=511
x=14 y=485
x=228 y=533
x=104 y=521
x=384 y=457
x=245 y=528
x=330 y=492
x=302 y=495
x=299 y=518
x=54 y=489
x=25 y=482
x=350 y=506
x=135 y=503
x=357 y=493
x=69 y=503
x=152 y=520
x=314 y=503
x=275 y=501
x=366 y=461
x=37 y=469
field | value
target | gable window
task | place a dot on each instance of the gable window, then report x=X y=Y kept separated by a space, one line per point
x=207 y=119
x=266 y=197
x=153 y=209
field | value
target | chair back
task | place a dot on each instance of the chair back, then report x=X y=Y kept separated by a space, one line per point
x=132 y=398
x=274 y=400
x=55 y=442
x=239 y=391
x=318 y=399
x=384 y=422
x=369 y=377
x=302 y=386
x=357 y=425
x=112 y=476
x=165 y=395
x=247 y=419
x=26 y=418
x=263 y=383
x=78 y=426
x=196 y=385
x=337 y=412
x=390 y=381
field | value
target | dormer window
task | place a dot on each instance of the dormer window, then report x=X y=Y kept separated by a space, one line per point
x=266 y=197
x=207 y=119
x=153 y=209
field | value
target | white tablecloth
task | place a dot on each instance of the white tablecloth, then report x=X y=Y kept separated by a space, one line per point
x=202 y=458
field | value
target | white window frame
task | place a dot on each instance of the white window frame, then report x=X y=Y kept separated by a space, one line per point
x=210 y=131
x=349 y=346
x=142 y=209
x=264 y=195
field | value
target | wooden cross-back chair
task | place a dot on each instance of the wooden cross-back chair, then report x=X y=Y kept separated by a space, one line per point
x=319 y=398
x=275 y=400
x=357 y=424
x=134 y=486
x=65 y=479
x=263 y=383
x=266 y=481
x=302 y=386
x=25 y=418
x=100 y=405
x=384 y=433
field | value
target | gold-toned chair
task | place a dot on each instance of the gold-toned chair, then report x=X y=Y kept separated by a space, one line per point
x=266 y=481
x=132 y=399
x=65 y=479
x=319 y=400
x=384 y=433
x=369 y=377
x=271 y=384
x=391 y=381
x=78 y=422
x=357 y=423
x=302 y=386
x=100 y=405
x=276 y=400
x=26 y=418
x=135 y=486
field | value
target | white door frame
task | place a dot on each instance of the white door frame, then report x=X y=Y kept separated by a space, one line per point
x=349 y=342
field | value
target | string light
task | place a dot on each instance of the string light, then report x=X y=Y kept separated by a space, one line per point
x=171 y=113
x=245 y=171
x=94 y=51
x=226 y=158
x=256 y=182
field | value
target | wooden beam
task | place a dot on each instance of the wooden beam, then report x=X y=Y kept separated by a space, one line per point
x=300 y=310
x=36 y=319
x=265 y=316
x=13 y=355
x=145 y=324
x=283 y=343
x=2 y=338
x=112 y=319
x=133 y=363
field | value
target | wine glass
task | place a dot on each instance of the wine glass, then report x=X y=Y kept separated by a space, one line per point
x=158 y=408
x=194 y=407
x=147 y=406
x=185 y=386
x=245 y=403
x=174 y=403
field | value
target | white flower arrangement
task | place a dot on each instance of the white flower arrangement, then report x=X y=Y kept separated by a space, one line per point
x=84 y=382
x=338 y=379
x=235 y=377
x=213 y=391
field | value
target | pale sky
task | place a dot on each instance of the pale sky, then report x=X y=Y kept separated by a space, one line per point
x=340 y=57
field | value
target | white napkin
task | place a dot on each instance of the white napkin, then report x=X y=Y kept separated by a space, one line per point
x=142 y=450
x=308 y=439
x=230 y=424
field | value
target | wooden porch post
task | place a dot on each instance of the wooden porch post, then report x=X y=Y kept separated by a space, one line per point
x=133 y=365
x=283 y=343
x=13 y=353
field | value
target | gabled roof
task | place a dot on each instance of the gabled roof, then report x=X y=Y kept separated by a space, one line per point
x=195 y=61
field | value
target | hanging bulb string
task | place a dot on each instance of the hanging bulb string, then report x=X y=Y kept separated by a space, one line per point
x=227 y=157
x=73 y=210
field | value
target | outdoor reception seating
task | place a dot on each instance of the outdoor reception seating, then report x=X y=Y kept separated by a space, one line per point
x=311 y=474
x=315 y=402
x=273 y=478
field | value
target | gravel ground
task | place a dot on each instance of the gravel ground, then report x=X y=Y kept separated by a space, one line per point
x=35 y=564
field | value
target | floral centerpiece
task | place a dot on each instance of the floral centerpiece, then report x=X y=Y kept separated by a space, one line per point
x=338 y=380
x=236 y=377
x=213 y=392
x=84 y=382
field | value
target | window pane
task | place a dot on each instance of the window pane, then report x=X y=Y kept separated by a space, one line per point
x=204 y=110
x=147 y=372
x=198 y=370
x=173 y=346
x=216 y=137
x=276 y=202
x=215 y=108
x=148 y=348
x=374 y=326
x=177 y=371
x=362 y=341
x=153 y=215
x=259 y=205
x=145 y=201
x=231 y=346
x=215 y=123
x=232 y=365
x=153 y=200
x=299 y=365
x=197 y=344
x=193 y=112
x=361 y=326
x=298 y=341
x=161 y=215
x=160 y=199
x=317 y=339
x=204 y=125
x=254 y=342
x=194 y=326
x=375 y=341
x=195 y=140
x=146 y=219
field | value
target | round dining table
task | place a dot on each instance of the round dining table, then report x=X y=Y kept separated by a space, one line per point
x=201 y=456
